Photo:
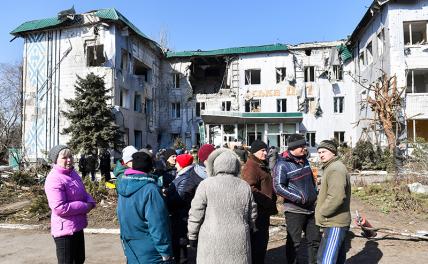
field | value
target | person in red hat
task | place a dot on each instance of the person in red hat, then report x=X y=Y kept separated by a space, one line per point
x=200 y=168
x=179 y=196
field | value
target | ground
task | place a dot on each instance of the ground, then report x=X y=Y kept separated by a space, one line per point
x=15 y=205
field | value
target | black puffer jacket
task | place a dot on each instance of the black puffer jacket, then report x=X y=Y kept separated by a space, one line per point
x=179 y=196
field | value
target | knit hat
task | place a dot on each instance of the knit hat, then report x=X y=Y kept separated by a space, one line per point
x=54 y=152
x=184 y=160
x=257 y=145
x=142 y=161
x=168 y=153
x=295 y=140
x=328 y=144
x=205 y=151
x=127 y=153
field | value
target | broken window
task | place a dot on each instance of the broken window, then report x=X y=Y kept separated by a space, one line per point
x=361 y=61
x=124 y=98
x=176 y=80
x=415 y=33
x=280 y=74
x=148 y=106
x=95 y=55
x=338 y=104
x=308 y=52
x=380 y=42
x=417 y=81
x=253 y=105
x=175 y=110
x=339 y=136
x=369 y=53
x=310 y=138
x=138 y=139
x=200 y=106
x=252 y=77
x=137 y=103
x=141 y=69
x=337 y=72
x=226 y=105
x=309 y=74
x=281 y=105
x=124 y=61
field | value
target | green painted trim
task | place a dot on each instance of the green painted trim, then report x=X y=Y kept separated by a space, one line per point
x=229 y=51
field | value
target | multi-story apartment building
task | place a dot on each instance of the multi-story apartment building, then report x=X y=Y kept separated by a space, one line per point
x=391 y=38
x=264 y=92
x=103 y=42
x=226 y=95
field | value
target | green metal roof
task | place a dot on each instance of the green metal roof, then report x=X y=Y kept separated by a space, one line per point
x=229 y=51
x=37 y=24
x=108 y=13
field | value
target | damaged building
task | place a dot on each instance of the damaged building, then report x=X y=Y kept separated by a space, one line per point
x=103 y=42
x=224 y=96
x=264 y=92
x=391 y=38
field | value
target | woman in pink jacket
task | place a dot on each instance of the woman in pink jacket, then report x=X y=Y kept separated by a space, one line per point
x=70 y=204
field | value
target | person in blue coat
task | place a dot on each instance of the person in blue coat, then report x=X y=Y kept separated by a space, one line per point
x=143 y=215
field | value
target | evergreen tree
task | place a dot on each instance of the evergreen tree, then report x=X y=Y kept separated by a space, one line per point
x=91 y=120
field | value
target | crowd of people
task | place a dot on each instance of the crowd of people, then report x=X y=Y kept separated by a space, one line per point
x=216 y=203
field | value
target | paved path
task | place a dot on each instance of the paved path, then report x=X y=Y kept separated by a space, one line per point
x=38 y=247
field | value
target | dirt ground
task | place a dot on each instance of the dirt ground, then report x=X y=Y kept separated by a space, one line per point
x=17 y=246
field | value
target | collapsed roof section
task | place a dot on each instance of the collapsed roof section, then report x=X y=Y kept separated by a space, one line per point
x=208 y=69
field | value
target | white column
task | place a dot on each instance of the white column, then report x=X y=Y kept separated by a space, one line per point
x=221 y=135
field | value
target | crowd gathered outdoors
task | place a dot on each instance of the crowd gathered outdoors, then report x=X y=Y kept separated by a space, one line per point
x=216 y=202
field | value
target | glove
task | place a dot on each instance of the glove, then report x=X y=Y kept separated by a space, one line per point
x=193 y=243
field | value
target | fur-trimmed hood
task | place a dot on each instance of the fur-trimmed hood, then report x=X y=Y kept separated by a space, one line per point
x=223 y=161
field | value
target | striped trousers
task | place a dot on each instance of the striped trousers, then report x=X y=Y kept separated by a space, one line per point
x=332 y=248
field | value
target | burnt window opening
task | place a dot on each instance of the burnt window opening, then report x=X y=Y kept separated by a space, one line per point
x=148 y=106
x=176 y=80
x=310 y=138
x=95 y=55
x=175 y=110
x=339 y=104
x=137 y=103
x=339 y=136
x=252 y=76
x=140 y=69
x=280 y=74
x=226 y=105
x=337 y=72
x=124 y=59
x=253 y=105
x=200 y=106
x=208 y=75
x=369 y=53
x=281 y=105
x=308 y=52
x=309 y=74
x=417 y=81
x=415 y=32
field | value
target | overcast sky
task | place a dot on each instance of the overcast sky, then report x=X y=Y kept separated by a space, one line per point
x=205 y=25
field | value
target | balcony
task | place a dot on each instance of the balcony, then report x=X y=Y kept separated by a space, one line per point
x=417 y=105
x=226 y=117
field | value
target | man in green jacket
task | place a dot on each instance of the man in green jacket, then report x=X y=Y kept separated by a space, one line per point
x=332 y=210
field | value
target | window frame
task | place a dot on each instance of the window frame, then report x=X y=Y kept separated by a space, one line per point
x=311 y=140
x=280 y=78
x=338 y=104
x=175 y=110
x=280 y=105
x=248 y=74
x=309 y=73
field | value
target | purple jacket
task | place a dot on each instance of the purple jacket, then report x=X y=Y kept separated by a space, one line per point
x=68 y=201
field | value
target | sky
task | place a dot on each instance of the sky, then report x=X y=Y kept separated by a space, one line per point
x=199 y=24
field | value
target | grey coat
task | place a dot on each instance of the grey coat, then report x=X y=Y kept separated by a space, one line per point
x=223 y=212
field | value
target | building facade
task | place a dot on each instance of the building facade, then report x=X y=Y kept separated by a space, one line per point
x=226 y=96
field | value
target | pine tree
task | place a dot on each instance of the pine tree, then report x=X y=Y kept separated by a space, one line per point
x=91 y=120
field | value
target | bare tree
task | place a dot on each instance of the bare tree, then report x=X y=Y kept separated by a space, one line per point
x=385 y=100
x=10 y=106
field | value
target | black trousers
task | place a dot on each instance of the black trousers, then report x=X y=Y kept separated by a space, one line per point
x=296 y=223
x=70 y=249
x=260 y=239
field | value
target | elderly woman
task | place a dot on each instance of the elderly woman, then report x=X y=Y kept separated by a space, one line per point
x=222 y=213
x=70 y=204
